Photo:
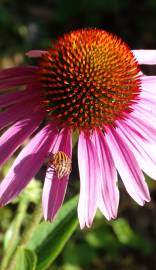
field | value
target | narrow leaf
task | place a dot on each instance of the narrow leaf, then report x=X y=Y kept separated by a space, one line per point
x=49 y=238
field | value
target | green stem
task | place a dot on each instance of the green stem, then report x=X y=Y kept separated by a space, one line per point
x=27 y=234
x=36 y=218
x=22 y=208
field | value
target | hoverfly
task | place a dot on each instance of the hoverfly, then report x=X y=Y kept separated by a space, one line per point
x=60 y=163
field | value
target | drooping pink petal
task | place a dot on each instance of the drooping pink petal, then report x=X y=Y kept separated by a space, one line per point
x=148 y=84
x=53 y=194
x=148 y=97
x=144 y=151
x=15 y=113
x=127 y=167
x=54 y=188
x=63 y=142
x=26 y=164
x=145 y=106
x=35 y=53
x=147 y=109
x=146 y=115
x=107 y=177
x=142 y=126
x=14 y=82
x=148 y=101
x=17 y=133
x=148 y=78
x=148 y=94
x=145 y=57
x=17 y=72
x=89 y=186
x=8 y=99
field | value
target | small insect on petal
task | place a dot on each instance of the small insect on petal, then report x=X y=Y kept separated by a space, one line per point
x=60 y=163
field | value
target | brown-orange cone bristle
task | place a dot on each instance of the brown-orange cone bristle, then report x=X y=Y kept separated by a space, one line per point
x=89 y=79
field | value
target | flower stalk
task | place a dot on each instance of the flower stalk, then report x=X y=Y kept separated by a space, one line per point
x=17 y=223
x=27 y=234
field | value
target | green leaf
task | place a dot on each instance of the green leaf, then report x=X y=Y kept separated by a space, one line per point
x=127 y=236
x=123 y=230
x=25 y=259
x=82 y=254
x=102 y=237
x=49 y=238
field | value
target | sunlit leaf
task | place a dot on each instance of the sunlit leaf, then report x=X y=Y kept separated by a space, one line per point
x=9 y=235
x=25 y=259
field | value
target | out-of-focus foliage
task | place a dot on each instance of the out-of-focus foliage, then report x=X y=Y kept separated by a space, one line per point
x=128 y=243
x=25 y=259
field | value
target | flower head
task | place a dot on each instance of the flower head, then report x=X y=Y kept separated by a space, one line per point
x=88 y=80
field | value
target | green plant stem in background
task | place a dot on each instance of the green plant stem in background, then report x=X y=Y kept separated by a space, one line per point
x=36 y=218
x=27 y=234
x=22 y=208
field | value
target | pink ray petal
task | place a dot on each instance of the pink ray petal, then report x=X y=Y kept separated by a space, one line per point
x=17 y=133
x=144 y=107
x=17 y=72
x=8 y=99
x=89 y=186
x=147 y=105
x=26 y=164
x=63 y=142
x=127 y=167
x=148 y=79
x=35 y=53
x=148 y=89
x=148 y=101
x=53 y=194
x=146 y=57
x=148 y=85
x=14 y=82
x=144 y=152
x=142 y=127
x=107 y=176
x=146 y=115
x=54 y=188
x=15 y=113
x=148 y=95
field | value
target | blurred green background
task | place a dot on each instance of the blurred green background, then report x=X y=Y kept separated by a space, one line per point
x=128 y=243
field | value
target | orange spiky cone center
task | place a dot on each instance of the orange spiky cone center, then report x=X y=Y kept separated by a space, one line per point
x=89 y=79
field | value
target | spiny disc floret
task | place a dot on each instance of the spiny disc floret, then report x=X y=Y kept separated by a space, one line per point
x=89 y=79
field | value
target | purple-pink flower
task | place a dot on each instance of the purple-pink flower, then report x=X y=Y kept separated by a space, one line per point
x=89 y=81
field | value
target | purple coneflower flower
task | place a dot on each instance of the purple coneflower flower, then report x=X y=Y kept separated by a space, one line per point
x=89 y=81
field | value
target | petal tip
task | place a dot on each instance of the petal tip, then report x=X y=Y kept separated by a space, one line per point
x=35 y=53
